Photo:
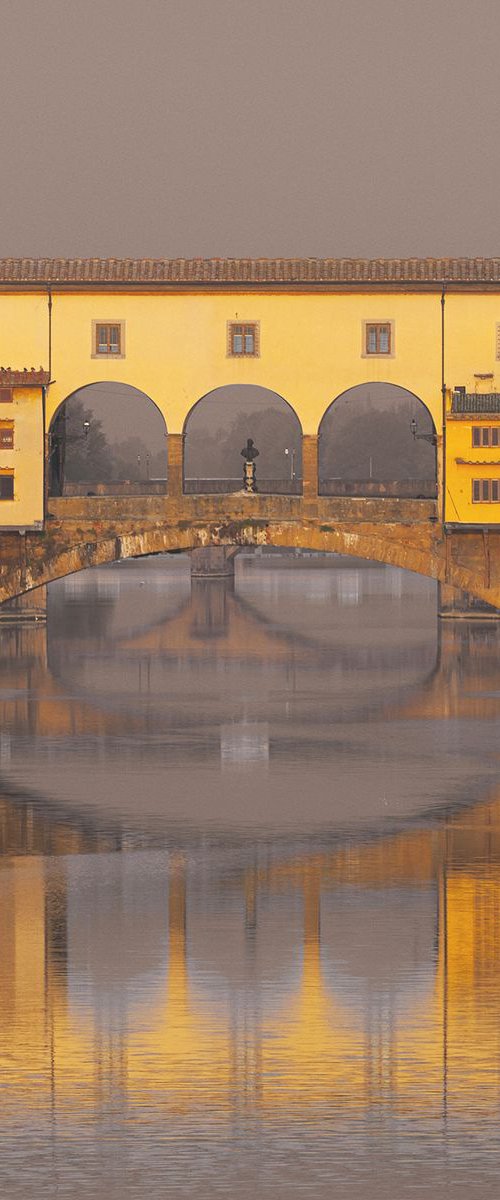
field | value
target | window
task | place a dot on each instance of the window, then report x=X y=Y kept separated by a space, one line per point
x=243 y=340
x=5 y=395
x=486 y=491
x=6 y=485
x=378 y=338
x=6 y=435
x=485 y=435
x=108 y=339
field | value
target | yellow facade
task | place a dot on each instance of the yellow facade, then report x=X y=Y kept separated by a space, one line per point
x=310 y=345
x=312 y=349
x=468 y=464
x=23 y=461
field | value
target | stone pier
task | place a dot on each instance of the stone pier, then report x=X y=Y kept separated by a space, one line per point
x=454 y=603
x=213 y=562
x=31 y=606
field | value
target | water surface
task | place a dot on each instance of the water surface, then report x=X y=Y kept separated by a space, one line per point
x=249 y=888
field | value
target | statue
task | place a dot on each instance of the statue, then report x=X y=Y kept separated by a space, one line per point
x=249 y=453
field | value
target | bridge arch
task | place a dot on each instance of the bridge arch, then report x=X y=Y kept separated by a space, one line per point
x=218 y=425
x=107 y=437
x=377 y=439
x=66 y=550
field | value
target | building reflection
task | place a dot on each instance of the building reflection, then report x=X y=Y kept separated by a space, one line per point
x=357 y=975
x=360 y=978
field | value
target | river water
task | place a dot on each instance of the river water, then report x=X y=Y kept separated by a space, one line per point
x=249 y=888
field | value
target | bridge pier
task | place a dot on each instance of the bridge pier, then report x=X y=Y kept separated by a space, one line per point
x=30 y=606
x=310 y=467
x=175 y=458
x=213 y=562
x=454 y=603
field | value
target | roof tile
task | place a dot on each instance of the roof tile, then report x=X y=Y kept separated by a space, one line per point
x=23 y=378
x=473 y=402
x=254 y=270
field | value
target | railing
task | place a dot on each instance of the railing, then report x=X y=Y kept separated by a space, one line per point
x=405 y=489
x=117 y=487
x=218 y=487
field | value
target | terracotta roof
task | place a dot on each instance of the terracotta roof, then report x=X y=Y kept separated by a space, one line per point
x=470 y=402
x=25 y=378
x=249 y=270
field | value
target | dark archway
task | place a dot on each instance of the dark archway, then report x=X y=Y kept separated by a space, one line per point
x=217 y=428
x=377 y=439
x=107 y=439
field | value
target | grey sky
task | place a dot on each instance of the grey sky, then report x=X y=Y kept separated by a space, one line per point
x=220 y=127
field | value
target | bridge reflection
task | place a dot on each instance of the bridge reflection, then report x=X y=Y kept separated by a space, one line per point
x=293 y=970
x=236 y=681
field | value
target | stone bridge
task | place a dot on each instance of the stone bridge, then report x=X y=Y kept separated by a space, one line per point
x=81 y=532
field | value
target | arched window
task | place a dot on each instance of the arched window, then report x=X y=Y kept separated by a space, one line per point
x=377 y=439
x=107 y=439
x=217 y=429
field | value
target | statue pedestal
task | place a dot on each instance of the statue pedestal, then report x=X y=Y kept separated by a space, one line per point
x=249 y=477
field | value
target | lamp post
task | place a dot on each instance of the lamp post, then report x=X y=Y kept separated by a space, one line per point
x=291 y=455
x=58 y=440
x=422 y=437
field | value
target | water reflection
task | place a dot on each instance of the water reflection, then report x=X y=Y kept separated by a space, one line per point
x=359 y=981
x=154 y=705
x=271 y=1003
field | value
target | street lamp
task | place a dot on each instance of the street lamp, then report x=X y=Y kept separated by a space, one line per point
x=422 y=437
x=291 y=454
x=58 y=442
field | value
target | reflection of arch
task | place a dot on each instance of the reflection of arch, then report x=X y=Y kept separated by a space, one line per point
x=212 y=459
x=379 y=947
x=66 y=432
x=221 y=939
x=117 y=943
x=366 y=445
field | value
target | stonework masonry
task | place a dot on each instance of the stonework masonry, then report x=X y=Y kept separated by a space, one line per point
x=86 y=531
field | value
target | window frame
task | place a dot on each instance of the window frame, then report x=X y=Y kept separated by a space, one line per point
x=7 y=473
x=108 y=324
x=488 y=442
x=372 y=324
x=243 y=326
x=7 y=426
x=487 y=486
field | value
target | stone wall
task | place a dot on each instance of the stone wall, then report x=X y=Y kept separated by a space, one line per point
x=87 y=531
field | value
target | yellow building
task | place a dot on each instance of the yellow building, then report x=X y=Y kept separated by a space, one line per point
x=306 y=329
x=22 y=468
x=473 y=457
